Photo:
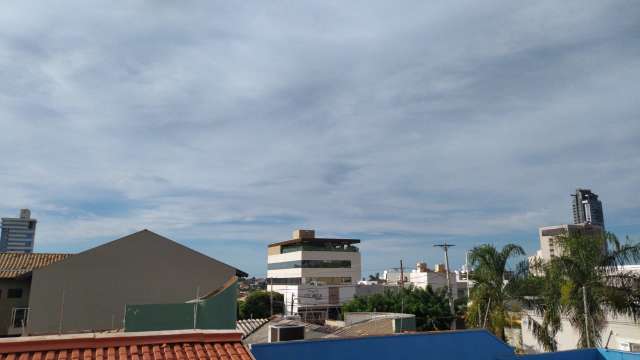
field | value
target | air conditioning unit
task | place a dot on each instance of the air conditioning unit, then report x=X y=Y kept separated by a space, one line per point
x=279 y=333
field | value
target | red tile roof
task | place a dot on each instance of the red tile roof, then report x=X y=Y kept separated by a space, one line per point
x=152 y=345
x=16 y=264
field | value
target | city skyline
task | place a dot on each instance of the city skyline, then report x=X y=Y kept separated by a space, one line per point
x=226 y=126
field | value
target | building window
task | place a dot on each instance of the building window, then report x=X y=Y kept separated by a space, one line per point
x=19 y=317
x=328 y=280
x=14 y=293
x=310 y=264
x=317 y=247
x=285 y=281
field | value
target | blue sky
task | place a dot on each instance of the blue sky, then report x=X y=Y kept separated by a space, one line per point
x=225 y=126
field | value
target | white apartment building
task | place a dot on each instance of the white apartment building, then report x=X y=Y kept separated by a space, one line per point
x=315 y=275
x=422 y=276
x=551 y=246
x=621 y=332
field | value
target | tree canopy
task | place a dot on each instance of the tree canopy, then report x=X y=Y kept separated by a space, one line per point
x=589 y=271
x=430 y=307
x=257 y=305
x=490 y=295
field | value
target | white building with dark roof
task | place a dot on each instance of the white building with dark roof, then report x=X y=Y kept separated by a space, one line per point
x=315 y=275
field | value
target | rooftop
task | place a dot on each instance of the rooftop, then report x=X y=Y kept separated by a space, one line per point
x=13 y=265
x=477 y=344
x=316 y=241
x=156 y=345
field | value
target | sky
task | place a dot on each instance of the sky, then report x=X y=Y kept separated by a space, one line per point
x=227 y=125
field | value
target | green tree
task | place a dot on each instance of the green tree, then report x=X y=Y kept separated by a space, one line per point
x=257 y=305
x=431 y=308
x=587 y=270
x=490 y=297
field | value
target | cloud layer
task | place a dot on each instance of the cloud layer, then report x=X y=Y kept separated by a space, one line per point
x=225 y=126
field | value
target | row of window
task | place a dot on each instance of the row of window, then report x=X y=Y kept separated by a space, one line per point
x=310 y=264
x=311 y=281
x=317 y=247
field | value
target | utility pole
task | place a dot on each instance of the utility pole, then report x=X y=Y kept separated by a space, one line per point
x=446 y=247
x=586 y=316
x=195 y=308
x=291 y=313
x=466 y=268
x=401 y=275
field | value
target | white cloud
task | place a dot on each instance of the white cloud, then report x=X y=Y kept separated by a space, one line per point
x=215 y=123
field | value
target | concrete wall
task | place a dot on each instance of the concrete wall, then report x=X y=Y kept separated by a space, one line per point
x=97 y=284
x=7 y=305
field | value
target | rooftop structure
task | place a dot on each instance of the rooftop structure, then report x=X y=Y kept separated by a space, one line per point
x=315 y=275
x=18 y=234
x=156 y=345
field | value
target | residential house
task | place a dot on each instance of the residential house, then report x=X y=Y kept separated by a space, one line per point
x=15 y=286
x=90 y=290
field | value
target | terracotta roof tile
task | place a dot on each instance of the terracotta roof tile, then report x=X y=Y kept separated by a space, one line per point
x=158 y=345
x=16 y=264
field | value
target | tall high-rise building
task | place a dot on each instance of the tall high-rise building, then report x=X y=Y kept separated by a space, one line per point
x=587 y=209
x=18 y=234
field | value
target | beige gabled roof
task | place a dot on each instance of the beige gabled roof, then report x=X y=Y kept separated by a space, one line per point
x=15 y=264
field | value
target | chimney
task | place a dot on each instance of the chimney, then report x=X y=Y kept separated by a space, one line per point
x=304 y=234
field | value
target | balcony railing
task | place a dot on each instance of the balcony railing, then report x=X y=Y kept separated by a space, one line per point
x=19 y=317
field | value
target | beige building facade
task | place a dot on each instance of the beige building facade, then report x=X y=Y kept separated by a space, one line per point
x=315 y=275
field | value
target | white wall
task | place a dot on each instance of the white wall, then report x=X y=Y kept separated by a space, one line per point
x=354 y=272
x=311 y=295
x=624 y=331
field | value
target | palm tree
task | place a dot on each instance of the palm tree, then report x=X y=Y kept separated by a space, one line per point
x=489 y=296
x=584 y=285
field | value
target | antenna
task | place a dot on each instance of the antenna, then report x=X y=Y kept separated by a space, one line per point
x=195 y=308
x=446 y=247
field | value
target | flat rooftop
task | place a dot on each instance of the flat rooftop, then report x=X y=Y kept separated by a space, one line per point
x=316 y=241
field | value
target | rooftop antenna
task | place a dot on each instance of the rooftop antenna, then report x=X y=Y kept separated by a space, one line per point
x=446 y=247
x=195 y=308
